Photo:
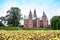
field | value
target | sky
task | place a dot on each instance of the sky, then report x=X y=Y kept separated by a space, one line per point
x=50 y=7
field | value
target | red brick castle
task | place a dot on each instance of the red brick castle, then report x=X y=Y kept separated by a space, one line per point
x=34 y=22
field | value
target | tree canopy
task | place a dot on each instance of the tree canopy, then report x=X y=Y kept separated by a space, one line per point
x=14 y=16
x=55 y=22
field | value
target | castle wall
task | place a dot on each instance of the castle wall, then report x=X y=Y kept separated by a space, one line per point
x=30 y=23
x=25 y=23
x=34 y=23
x=38 y=23
x=45 y=21
x=41 y=23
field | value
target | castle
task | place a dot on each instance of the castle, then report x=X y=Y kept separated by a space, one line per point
x=34 y=22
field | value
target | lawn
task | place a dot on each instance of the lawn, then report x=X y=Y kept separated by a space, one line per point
x=20 y=28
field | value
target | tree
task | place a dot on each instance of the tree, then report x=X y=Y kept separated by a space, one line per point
x=1 y=19
x=14 y=16
x=55 y=21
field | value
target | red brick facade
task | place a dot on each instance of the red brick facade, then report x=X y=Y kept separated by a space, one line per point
x=34 y=22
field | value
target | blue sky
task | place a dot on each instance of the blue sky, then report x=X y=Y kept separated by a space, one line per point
x=50 y=7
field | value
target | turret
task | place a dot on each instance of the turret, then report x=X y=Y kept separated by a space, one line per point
x=45 y=20
x=30 y=15
x=35 y=13
x=25 y=21
x=30 y=22
x=44 y=13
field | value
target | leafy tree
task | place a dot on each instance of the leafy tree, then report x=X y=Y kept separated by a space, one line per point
x=14 y=16
x=55 y=21
x=1 y=19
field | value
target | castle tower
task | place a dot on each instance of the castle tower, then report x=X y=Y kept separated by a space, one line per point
x=34 y=19
x=30 y=15
x=45 y=20
x=30 y=22
x=25 y=22
x=35 y=13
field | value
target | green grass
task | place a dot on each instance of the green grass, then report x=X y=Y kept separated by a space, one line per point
x=20 y=28
x=37 y=28
x=8 y=28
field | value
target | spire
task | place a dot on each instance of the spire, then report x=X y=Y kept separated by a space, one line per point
x=44 y=13
x=30 y=12
x=30 y=15
x=35 y=13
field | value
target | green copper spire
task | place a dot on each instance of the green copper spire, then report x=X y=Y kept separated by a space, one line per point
x=30 y=12
x=44 y=13
x=35 y=11
x=25 y=17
